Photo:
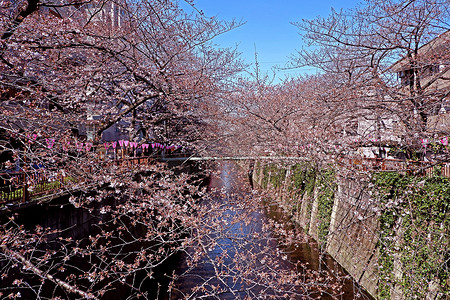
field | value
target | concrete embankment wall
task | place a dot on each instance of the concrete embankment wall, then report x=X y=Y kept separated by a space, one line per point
x=353 y=232
x=389 y=230
x=337 y=212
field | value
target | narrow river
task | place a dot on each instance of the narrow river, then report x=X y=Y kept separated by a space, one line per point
x=250 y=251
x=245 y=248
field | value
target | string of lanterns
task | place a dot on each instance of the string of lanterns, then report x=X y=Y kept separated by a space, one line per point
x=134 y=145
x=123 y=144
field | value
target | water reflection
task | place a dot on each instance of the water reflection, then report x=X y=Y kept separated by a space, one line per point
x=239 y=257
x=225 y=179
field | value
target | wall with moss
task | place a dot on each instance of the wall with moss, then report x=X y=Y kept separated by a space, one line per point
x=414 y=240
x=390 y=232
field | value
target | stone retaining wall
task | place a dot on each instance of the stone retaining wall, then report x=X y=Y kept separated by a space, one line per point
x=352 y=225
x=389 y=229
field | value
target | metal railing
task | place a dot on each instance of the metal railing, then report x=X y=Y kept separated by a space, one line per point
x=23 y=185
x=420 y=168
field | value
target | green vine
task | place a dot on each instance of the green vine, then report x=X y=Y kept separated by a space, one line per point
x=304 y=179
x=303 y=176
x=415 y=226
x=273 y=174
x=326 y=186
x=414 y=239
x=266 y=175
x=277 y=177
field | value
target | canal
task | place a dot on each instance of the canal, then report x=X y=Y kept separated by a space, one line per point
x=244 y=247
x=250 y=250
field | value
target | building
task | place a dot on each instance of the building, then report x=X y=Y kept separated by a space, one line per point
x=426 y=76
x=429 y=66
x=421 y=97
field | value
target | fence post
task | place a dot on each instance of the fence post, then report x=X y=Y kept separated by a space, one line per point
x=24 y=188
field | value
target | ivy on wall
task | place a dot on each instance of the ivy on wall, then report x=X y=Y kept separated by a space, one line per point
x=273 y=174
x=278 y=176
x=326 y=186
x=415 y=227
x=305 y=178
x=302 y=179
x=414 y=238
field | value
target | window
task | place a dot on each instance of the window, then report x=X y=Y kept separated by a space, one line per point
x=406 y=77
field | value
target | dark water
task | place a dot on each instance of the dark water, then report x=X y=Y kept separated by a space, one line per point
x=309 y=252
x=238 y=257
x=245 y=244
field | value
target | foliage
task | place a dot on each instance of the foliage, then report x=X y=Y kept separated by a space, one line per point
x=277 y=176
x=266 y=174
x=305 y=178
x=148 y=71
x=274 y=175
x=415 y=226
x=326 y=188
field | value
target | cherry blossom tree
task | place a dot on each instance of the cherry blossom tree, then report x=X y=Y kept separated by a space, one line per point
x=68 y=65
x=365 y=49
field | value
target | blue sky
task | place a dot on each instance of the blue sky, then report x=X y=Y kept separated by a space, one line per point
x=268 y=26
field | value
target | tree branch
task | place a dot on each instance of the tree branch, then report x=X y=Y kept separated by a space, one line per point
x=30 y=266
